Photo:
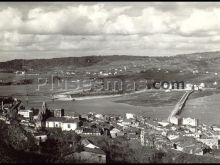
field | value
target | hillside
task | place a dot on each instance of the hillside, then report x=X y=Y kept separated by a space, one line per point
x=201 y=60
x=40 y=64
x=13 y=146
x=180 y=67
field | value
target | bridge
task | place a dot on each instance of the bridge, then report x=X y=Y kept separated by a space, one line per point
x=179 y=106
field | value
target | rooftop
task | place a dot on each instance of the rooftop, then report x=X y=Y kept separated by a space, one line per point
x=94 y=150
x=59 y=119
x=62 y=119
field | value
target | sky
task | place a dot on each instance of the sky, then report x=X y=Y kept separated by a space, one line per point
x=63 y=29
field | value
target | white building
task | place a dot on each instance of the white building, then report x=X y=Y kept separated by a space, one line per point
x=54 y=122
x=216 y=128
x=202 y=85
x=175 y=120
x=69 y=125
x=99 y=116
x=26 y=113
x=86 y=143
x=114 y=132
x=172 y=136
x=190 y=121
x=195 y=71
x=130 y=116
x=126 y=122
x=189 y=87
x=211 y=142
x=20 y=72
x=195 y=87
x=215 y=83
x=65 y=124
x=163 y=123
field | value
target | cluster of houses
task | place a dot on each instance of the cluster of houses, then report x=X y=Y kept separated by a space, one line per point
x=188 y=136
x=185 y=136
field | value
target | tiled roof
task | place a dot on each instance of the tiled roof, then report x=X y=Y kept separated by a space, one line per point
x=59 y=119
x=91 y=130
x=71 y=121
x=94 y=150
x=62 y=119
x=187 y=141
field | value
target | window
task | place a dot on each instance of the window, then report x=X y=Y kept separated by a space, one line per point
x=100 y=158
x=68 y=125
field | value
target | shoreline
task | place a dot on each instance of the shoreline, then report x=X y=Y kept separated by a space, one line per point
x=95 y=97
x=117 y=95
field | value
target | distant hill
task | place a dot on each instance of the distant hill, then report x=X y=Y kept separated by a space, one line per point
x=179 y=66
x=65 y=62
x=196 y=59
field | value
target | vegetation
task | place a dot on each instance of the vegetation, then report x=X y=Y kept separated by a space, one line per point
x=61 y=143
x=14 y=143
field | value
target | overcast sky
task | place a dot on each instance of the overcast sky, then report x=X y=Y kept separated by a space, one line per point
x=47 y=30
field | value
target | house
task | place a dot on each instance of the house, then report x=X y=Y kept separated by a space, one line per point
x=201 y=85
x=190 y=121
x=88 y=155
x=147 y=137
x=26 y=113
x=213 y=143
x=172 y=136
x=70 y=124
x=216 y=128
x=40 y=137
x=87 y=143
x=130 y=116
x=54 y=122
x=84 y=116
x=192 y=129
x=79 y=130
x=20 y=72
x=175 y=120
x=189 y=86
x=114 y=132
x=215 y=83
x=162 y=143
x=86 y=124
x=126 y=122
x=66 y=124
x=91 y=131
x=196 y=87
x=189 y=145
x=99 y=116
x=195 y=71
x=163 y=123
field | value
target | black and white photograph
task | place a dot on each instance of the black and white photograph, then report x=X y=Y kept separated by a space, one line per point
x=109 y=82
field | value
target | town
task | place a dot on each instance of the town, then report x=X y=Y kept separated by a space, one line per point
x=179 y=134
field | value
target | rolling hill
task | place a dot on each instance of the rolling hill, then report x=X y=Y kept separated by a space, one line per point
x=179 y=66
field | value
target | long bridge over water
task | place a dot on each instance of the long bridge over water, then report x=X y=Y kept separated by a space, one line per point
x=179 y=106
